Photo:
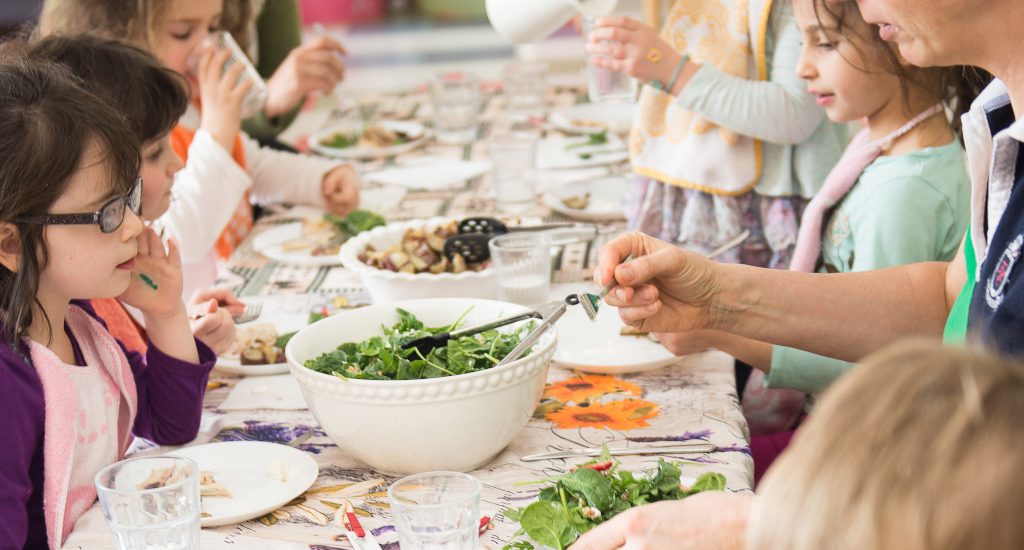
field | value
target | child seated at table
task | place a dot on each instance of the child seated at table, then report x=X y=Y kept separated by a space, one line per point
x=72 y=397
x=919 y=448
x=899 y=195
x=152 y=98
x=225 y=170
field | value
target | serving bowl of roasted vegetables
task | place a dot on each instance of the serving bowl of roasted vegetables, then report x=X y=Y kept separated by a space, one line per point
x=405 y=261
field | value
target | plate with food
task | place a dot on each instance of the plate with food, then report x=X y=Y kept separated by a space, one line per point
x=316 y=240
x=606 y=345
x=595 y=200
x=565 y=152
x=242 y=480
x=587 y=118
x=378 y=139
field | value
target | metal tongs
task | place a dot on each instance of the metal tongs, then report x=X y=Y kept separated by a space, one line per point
x=550 y=312
x=427 y=343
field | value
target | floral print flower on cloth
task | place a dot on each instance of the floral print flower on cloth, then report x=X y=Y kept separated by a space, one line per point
x=586 y=388
x=628 y=414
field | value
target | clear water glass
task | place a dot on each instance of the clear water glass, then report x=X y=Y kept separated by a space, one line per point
x=257 y=96
x=456 y=99
x=160 y=518
x=513 y=171
x=436 y=510
x=522 y=263
x=606 y=85
x=524 y=86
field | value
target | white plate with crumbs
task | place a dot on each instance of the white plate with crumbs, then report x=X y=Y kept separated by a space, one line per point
x=380 y=139
x=600 y=347
x=595 y=200
x=257 y=478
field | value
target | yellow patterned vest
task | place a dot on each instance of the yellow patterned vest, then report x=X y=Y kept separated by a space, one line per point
x=682 y=148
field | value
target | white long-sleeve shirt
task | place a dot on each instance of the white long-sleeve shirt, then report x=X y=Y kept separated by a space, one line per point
x=208 y=189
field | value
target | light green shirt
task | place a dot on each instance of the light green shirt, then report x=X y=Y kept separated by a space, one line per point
x=800 y=144
x=903 y=209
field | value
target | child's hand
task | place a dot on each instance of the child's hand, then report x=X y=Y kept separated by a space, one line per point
x=212 y=325
x=221 y=96
x=156 y=285
x=224 y=298
x=634 y=49
x=313 y=66
x=340 y=188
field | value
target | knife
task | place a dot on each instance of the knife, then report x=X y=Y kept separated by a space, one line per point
x=697 y=447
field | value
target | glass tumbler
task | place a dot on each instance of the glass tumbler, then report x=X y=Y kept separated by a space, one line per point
x=146 y=515
x=436 y=510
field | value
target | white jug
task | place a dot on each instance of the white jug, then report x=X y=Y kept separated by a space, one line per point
x=521 y=21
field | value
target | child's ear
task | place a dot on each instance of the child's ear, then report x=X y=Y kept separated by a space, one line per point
x=10 y=247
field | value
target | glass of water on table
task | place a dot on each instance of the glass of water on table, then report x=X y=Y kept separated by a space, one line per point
x=436 y=510
x=151 y=503
x=456 y=100
x=522 y=262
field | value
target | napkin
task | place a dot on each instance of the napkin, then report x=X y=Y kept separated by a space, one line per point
x=429 y=173
x=265 y=392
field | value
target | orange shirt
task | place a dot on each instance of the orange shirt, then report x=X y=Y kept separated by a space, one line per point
x=121 y=324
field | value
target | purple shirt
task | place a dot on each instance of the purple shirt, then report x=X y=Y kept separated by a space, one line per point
x=170 y=393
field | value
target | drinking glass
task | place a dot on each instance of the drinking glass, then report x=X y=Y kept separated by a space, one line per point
x=456 y=99
x=606 y=85
x=523 y=83
x=257 y=96
x=436 y=510
x=522 y=262
x=513 y=161
x=159 y=518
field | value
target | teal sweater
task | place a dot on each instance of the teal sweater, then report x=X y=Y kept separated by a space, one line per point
x=903 y=209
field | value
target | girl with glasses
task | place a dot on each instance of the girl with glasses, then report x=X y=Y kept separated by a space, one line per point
x=73 y=397
x=152 y=99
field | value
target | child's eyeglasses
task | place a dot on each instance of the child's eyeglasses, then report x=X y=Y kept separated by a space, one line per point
x=110 y=216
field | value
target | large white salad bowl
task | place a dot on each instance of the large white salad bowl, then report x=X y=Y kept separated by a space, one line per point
x=455 y=423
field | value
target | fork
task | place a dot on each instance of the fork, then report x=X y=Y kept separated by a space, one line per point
x=250 y=313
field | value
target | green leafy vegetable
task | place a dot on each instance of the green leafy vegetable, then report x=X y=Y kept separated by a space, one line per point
x=340 y=140
x=356 y=222
x=382 y=357
x=594 y=492
x=597 y=138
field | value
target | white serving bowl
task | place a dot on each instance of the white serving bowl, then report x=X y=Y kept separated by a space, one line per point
x=389 y=286
x=453 y=423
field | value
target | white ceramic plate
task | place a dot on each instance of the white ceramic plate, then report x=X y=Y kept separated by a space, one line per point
x=616 y=116
x=596 y=346
x=553 y=152
x=287 y=313
x=429 y=173
x=270 y=244
x=606 y=196
x=251 y=471
x=416 y=131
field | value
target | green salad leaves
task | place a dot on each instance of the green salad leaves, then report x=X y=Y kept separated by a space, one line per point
x=356 y=222
x=382 y=357
x=593 y=493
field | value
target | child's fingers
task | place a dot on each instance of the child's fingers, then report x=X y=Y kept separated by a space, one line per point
x=173 y=256
x=156 y=246
x=143 y=242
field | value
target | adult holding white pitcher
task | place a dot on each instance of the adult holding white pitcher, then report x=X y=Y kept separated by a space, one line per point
x=727 y=138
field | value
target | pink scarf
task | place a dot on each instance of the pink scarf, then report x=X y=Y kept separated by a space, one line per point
x=61 y=403
x=858 y=156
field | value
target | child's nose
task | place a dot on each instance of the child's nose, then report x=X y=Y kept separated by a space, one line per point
x=132 y=225
x=804 y=69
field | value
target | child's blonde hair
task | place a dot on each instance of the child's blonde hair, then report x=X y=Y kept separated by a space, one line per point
x=922 y=447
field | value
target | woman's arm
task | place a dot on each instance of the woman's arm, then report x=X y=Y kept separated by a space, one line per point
x=665 y=289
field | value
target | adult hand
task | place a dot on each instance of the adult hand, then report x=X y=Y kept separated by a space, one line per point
x=313 y=66
x=714 y=520
x=628 y=46
x=685 y=343
x=221 y=95
x=212 y=325
x=155 y=288
x=340 y=189
x=663 y=288
x=224 y=298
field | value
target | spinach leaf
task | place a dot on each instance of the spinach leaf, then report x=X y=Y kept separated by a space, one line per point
x=593 y=485
x=546 y=523
x=355 y=222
